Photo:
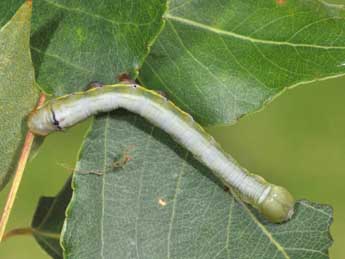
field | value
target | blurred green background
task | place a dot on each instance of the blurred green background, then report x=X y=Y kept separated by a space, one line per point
x=297 y=141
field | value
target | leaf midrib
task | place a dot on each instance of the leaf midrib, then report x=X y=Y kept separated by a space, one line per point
x=263 y=229
x=247 y=38
x=105 y=161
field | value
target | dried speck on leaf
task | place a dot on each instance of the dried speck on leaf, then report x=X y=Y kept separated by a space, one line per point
x=162 y=202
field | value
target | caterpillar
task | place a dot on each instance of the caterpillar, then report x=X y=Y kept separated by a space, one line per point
x=273 y=201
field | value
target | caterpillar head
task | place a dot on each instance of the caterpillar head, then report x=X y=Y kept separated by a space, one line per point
x=278 y=205
x=41 y=122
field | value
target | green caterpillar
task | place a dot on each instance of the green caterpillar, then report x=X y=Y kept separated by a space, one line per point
x=273 y=201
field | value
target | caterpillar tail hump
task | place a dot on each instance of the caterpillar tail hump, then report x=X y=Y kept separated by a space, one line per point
x=277 y=204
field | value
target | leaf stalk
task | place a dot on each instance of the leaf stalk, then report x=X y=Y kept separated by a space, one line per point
x=29 y=138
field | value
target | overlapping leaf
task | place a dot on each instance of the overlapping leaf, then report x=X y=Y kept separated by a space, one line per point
x=75 y=42
x=18 y=93
x=222 y=59
x=48 y=220
x=8 y=9
x=164 y=204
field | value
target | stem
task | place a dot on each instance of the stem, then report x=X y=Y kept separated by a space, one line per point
x=17 y=176
x=17 y=232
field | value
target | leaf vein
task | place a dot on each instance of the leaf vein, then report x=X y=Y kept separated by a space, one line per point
x=53 y=249
x=246 y=38
x=62 y=60
x=103 y=182
x=95 y=16
x=306 y=250
x=140 y=189
x=311 y=24
x=177 y=188
x=177 y=98
x=262 y=227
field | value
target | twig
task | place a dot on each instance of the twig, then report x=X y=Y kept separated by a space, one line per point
x=17 y=176
x=17 y=232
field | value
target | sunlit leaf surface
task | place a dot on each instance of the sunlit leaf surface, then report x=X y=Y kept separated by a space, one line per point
x=222 y=59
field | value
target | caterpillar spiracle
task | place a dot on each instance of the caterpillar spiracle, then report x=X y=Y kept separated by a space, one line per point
x=273 y=201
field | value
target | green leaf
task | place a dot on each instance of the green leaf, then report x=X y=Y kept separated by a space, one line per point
x=18 y=93
x=219 y=60
x=164 y=204
x=75 y=42
x=48 y=220
x=7 y=9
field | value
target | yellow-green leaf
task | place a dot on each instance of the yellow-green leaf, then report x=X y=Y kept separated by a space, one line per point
x=18 y=93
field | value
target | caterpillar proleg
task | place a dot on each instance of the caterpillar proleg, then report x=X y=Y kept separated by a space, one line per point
x=273 y=201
